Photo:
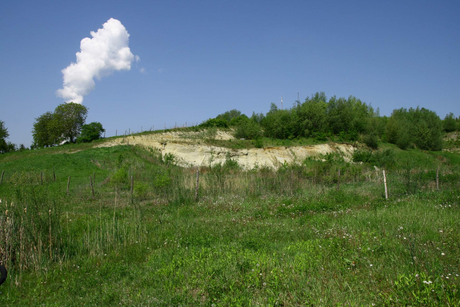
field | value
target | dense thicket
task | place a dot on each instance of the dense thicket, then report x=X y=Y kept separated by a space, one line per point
x=348 y=119
x=415 y=127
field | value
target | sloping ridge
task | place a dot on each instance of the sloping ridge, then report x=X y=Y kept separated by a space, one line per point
x=188 y=150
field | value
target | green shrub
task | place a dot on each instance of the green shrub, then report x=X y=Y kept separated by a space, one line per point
x=214 y=122
x=371 y=140
x=161 y=181
x=120 y=178
x=249 y=130
x=361 y=155
x=141 y=189
x=258 y=143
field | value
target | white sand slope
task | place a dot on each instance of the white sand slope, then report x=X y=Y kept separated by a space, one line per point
x=189 y=150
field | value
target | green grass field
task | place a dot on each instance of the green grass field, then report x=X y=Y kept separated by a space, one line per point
x=291 y=237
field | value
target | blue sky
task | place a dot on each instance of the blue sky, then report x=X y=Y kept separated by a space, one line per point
x=201 y=58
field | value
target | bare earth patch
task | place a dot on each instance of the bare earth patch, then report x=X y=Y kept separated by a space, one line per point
x=186 y=147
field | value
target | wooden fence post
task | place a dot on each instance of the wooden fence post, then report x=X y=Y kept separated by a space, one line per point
x=54 y=175
x=132 y=188
x=68 y=185
x=197 y=183
x=91 y=184
x=385 y=183
x=437 y=179
x=41 y=177
x=1 y=179
x=338 y=180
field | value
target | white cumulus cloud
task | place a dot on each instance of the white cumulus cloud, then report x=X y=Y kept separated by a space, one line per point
x=101 y=55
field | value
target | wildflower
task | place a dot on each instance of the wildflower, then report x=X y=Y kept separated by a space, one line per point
x=442 y=254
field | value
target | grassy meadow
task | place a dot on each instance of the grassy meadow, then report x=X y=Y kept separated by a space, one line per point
x=143 y=235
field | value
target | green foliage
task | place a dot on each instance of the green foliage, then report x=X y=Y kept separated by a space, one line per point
x=31 y=229
x=259 y=237
x=161 y=181
x=371 y=140
x=214 y=122
x=450 y=123
x=248 y=129
x=361 y=155
x=258 y=142
x=64 y=124
x=317 y=117
x=169 y=159
x=120 y=178
x=45 y=132
x=3 y=135
x=71 y=117
x=312 y=115
x=383 y=158
x=279 y=124
x=236 y=121
x=141 y=190
x=420 y=127
x=229 y=116
x=90 y=132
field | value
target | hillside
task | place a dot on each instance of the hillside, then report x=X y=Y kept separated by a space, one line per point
x=106 y=223
x=192 y=149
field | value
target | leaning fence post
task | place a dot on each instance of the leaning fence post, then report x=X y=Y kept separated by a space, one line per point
x=385 y=183
x=68 y=185
x=197 y=183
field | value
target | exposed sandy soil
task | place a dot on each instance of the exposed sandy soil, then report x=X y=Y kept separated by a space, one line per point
x=186 y=147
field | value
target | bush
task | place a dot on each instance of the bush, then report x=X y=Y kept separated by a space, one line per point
x=362 y=156
x=90 y=132
x=249 y=130
x=258 y=143
x=141 y=189
x=214 y=122
x=371 y=140
x=120 y=178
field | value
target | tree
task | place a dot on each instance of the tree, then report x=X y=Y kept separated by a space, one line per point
x=449 y=123
x=312 y=117
x=71 y=118
x=229 y=115
x=418 y=126
x=90 y=132
x=64 y=124
x=3 y=135
x=46 y=131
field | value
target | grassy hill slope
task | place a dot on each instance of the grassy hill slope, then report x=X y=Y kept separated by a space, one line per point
x=300 y=235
